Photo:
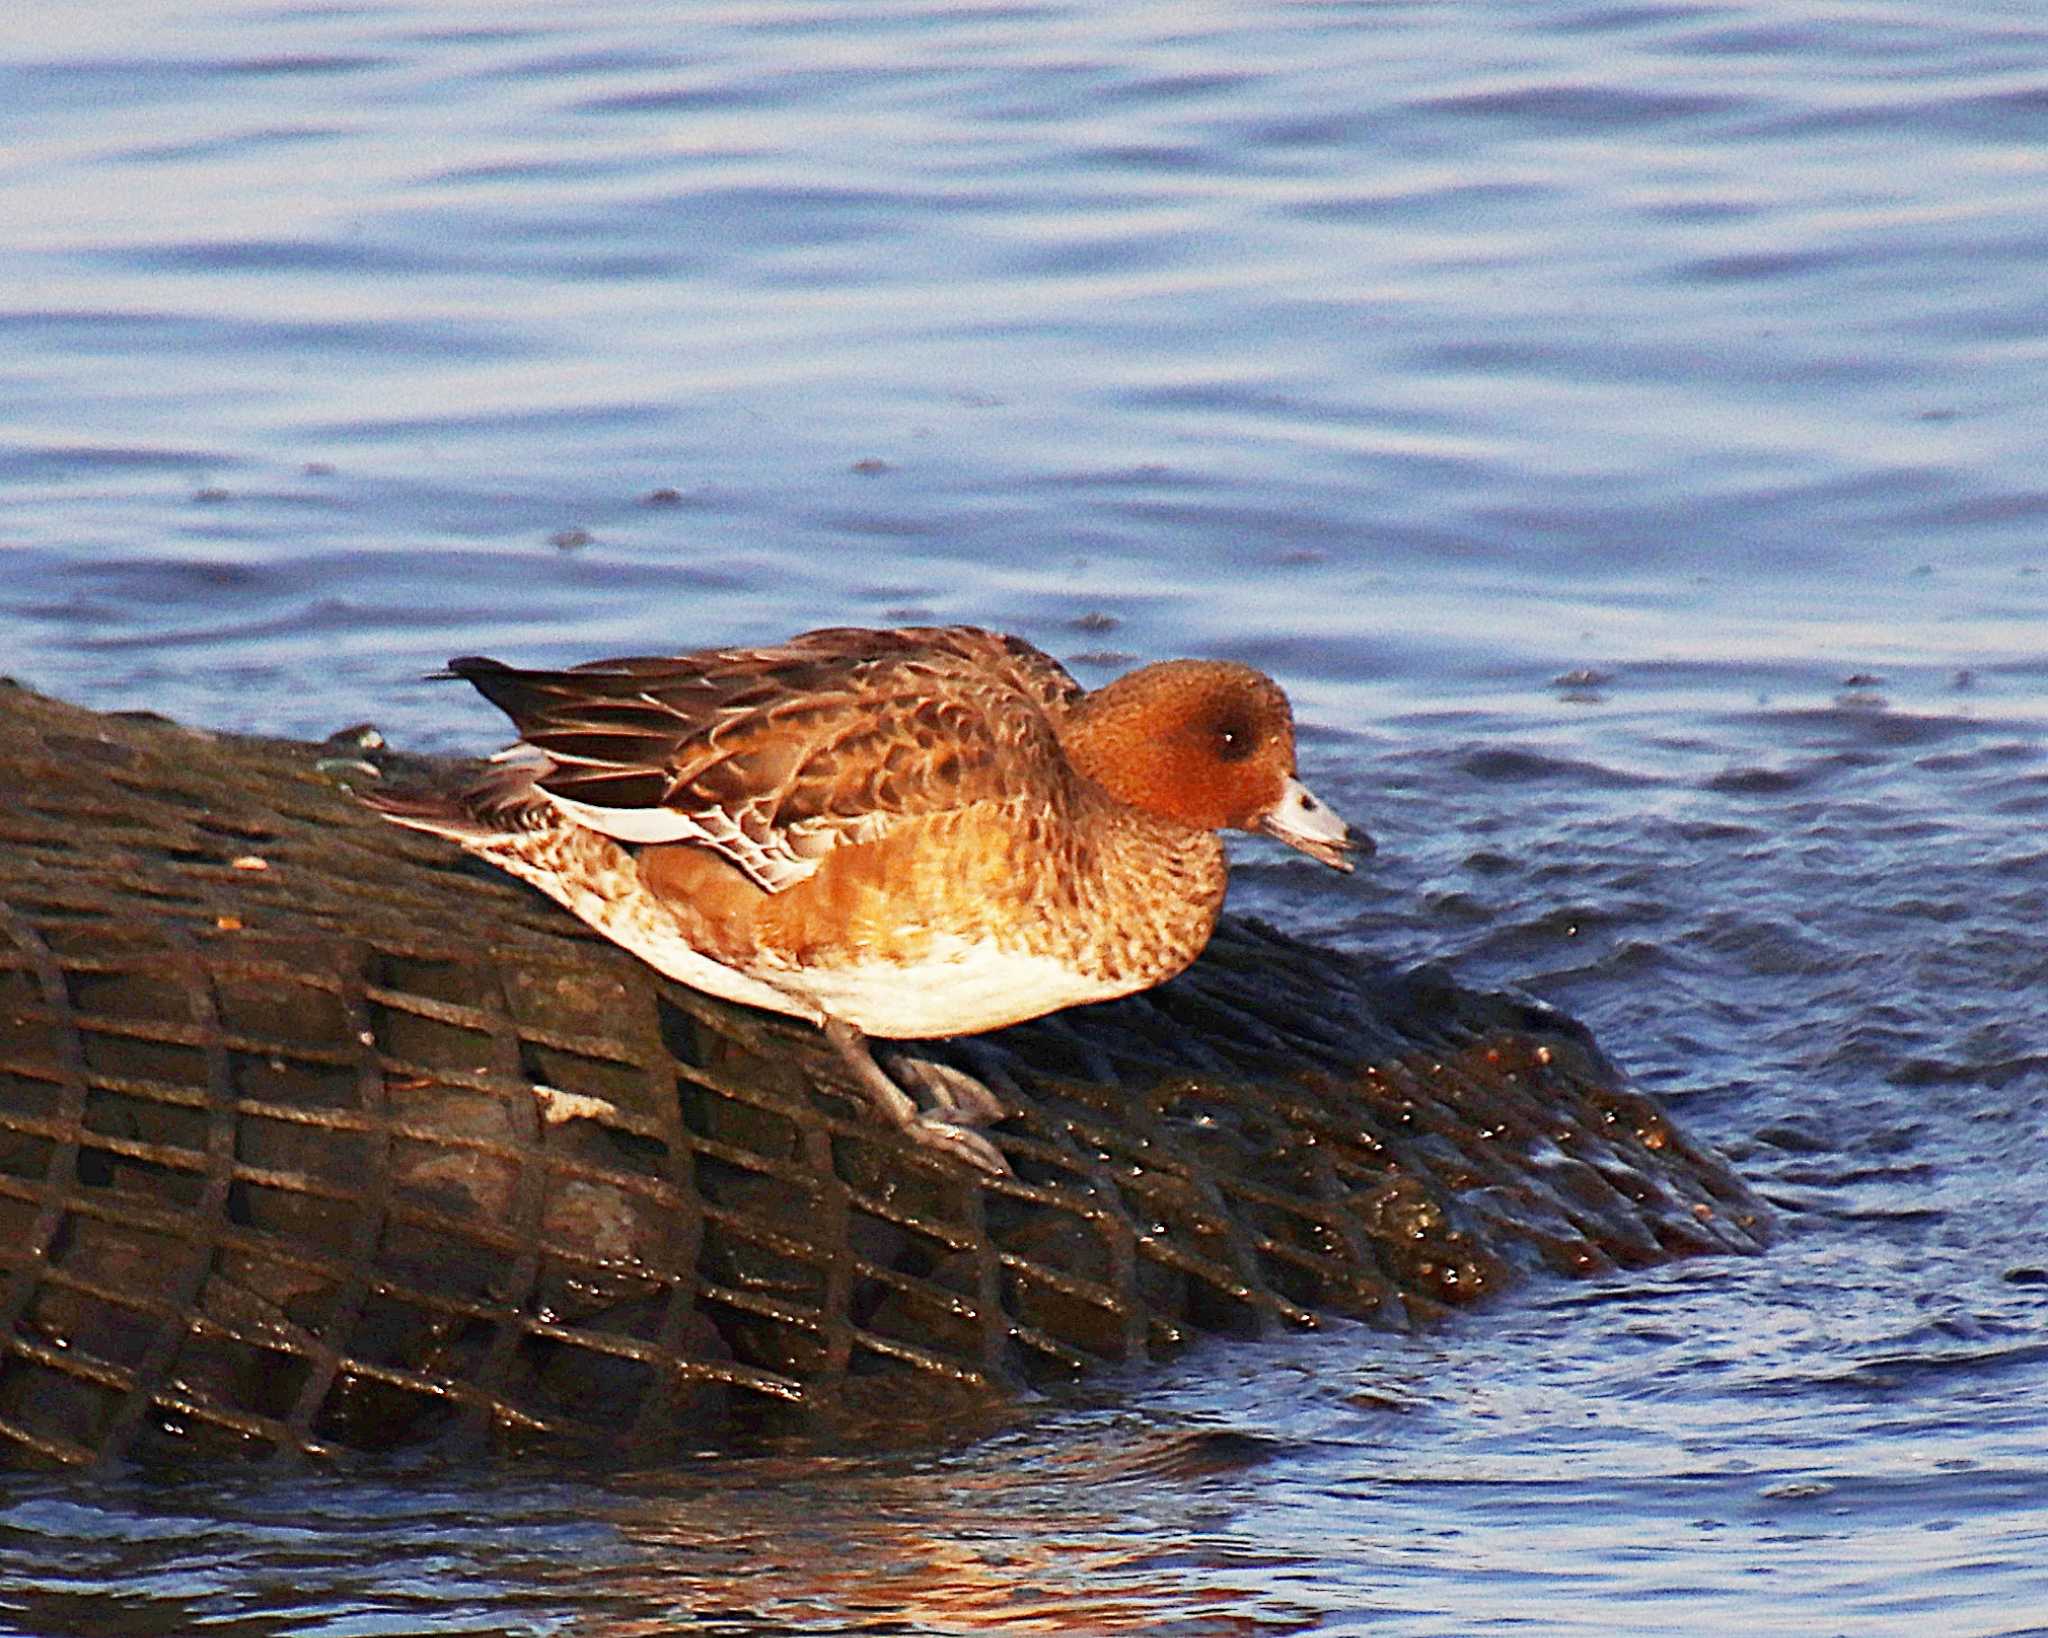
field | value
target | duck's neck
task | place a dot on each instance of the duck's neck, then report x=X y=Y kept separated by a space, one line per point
x=1150 y=886
x=1090 y=735
x=1108 y=736
x=1152 y=882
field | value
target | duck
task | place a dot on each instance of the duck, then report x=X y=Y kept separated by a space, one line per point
x=897 y=835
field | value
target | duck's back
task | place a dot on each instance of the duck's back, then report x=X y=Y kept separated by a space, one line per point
x=773 y=756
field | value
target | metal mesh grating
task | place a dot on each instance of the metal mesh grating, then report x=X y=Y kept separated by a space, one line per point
x=314 y=1137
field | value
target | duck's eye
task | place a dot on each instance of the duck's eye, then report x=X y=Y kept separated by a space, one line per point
x=1233 y=742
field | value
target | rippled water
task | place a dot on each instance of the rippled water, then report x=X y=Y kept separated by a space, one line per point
x=1620 y=425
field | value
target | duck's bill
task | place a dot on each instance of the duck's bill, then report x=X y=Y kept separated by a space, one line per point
x=1302 y=820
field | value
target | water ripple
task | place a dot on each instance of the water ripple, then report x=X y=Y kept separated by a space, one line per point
x=1614 y=425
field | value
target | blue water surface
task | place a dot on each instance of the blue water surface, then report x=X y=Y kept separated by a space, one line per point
x=1619 y=425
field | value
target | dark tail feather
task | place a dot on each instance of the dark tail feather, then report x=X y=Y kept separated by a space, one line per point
x=540 y=697
x=467 y=665
x=506 y=687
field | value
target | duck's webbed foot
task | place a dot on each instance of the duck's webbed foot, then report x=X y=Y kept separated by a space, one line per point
x=933 y=1103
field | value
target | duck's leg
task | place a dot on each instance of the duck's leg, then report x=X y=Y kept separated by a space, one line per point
x=957 y=1101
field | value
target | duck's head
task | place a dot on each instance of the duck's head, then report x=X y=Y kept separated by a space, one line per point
x=1211 y=744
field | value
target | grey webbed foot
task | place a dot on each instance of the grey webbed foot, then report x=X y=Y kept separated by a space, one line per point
x=935 y=1104
x=951 y=1092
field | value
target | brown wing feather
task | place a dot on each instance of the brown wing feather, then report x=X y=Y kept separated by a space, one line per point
x=1030 y=670
x=771 y=755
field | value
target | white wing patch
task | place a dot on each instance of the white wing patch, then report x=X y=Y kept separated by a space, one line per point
x=766 y=856
x=774 y=857
x=631 y=824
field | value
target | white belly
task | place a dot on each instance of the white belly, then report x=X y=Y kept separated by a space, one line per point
x=961 y=989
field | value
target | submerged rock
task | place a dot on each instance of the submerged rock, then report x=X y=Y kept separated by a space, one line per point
x=316 y=1136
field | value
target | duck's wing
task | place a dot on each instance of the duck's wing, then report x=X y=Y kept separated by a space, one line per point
x=1030 y=670
x=773 y=756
